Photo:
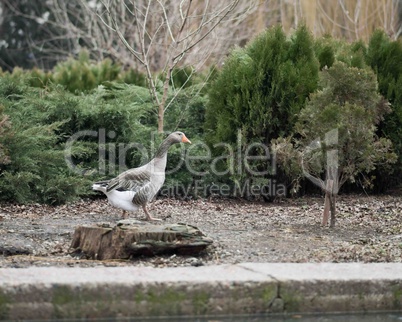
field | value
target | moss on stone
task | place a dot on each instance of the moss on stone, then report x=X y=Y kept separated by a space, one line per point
x=201 y=303
x=65 y=302
x=291 y=301
x=4 y=306
x=269 y=293
x=63 y=295
x=397 y=291
x=162 y=303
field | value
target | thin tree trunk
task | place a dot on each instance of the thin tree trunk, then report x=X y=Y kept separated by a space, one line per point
x=328 y=202
x=161 y=106
x=329 y=205
x=325 y=215
x=160 y=118
x=332 y=199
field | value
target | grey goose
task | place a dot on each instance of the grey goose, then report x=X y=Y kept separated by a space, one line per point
x=136 y=187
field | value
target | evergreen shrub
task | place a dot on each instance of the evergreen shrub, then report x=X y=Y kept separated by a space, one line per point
x=80 y=75
x=186 y=113
x=36 y=170
x=329 y=50
x=260 y=91
x=40 y=123
x=385 y=57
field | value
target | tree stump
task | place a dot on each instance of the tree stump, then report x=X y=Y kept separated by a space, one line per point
x=130 y=238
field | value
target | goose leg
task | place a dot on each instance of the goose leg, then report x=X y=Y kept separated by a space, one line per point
x=124 y=214
x=149 y=217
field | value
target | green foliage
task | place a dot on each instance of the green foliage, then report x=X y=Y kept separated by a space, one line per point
x=38 y=166
x=187 y=111
x=182 y=77
x=39 y=78
x=358 y=53
x=36 y=169
x=342 y=84
x=326 y=57
x=350 y=105
x=77 y=75
x=61 y=141
x=11 y=87
x=385 y=57
x=260 y=91
x=124 y=113
x=75 y=125
x=329 y=50
x=259 y=95
x=4 y=135
x=262 y=87
x=134 y=77
x=82 y=75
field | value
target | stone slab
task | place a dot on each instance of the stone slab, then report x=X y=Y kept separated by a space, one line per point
x=328 y=271
x=246 y=288
x=328 y=287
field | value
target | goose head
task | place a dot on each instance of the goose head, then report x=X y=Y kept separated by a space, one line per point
x=177 y=137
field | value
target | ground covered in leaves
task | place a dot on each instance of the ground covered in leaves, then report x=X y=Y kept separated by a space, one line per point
x=369 y=229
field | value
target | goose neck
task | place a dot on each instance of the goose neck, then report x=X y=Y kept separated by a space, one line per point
x=163 y=149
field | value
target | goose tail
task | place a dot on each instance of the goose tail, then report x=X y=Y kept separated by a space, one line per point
x=100 y=186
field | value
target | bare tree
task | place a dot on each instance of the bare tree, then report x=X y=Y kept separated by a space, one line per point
x=67 y=26
x=153 y=36
x=157 y=36
x=161 y=34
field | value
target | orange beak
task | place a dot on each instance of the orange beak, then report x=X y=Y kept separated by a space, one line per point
x=185 y=140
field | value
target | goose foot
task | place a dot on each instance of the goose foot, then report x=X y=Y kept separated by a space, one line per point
x=149 y=217
x=154 y=219
x=124 y=215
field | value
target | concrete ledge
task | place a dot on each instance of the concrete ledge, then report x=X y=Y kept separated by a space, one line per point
x=248 y=288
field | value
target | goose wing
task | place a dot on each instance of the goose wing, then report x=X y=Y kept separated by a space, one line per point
x=131 y=180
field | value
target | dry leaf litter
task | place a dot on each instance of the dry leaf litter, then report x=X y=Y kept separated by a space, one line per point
x=369 y=229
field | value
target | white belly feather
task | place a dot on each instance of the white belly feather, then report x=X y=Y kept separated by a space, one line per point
x=122 y=199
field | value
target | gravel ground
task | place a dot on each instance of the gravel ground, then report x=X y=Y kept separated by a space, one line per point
x=369 y=229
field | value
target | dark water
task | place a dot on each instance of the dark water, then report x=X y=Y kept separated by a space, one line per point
x=369 y=317
x=381 y=317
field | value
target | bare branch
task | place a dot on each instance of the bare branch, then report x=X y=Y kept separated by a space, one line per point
x=166 y=21
x=180 y=55
x=184 y=18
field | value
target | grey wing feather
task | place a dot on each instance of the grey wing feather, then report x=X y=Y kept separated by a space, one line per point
x=144 y=194
x=133 y=179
